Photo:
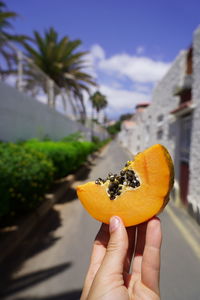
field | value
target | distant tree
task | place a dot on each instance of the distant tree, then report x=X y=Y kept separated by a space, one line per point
x=61 y=61
x=127 y=116
x=99 y=102
x=115 y=128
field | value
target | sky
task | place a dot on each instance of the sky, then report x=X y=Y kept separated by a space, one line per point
x=131 y=43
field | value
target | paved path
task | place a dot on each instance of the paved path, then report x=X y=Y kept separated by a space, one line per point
x=52 y=261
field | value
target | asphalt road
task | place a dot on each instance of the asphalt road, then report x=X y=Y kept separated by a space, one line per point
x=52 y=262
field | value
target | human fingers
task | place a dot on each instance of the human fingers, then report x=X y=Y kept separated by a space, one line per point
x=150 y=275
x=113 y=261
x=131 y=231
x=98 y=252
x=141 y=291
x=139 y=249
x=100 y=245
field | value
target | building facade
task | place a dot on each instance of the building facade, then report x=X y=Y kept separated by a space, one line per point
x=173 y=119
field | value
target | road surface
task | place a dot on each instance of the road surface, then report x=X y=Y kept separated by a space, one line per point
x=52 y=262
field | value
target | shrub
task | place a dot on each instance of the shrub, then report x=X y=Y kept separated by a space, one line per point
x=25 y=175
x=27 y=170
x=96 y=139
x=65 y=156
x=73 y=137
x=104 y=142
x=114 y=129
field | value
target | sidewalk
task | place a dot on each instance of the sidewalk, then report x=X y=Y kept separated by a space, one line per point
x=187 y=226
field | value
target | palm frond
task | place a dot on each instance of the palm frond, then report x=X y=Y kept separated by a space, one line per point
x=61 y=61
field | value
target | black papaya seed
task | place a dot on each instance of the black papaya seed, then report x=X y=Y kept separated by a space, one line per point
x=122 y=173
x=112 y=185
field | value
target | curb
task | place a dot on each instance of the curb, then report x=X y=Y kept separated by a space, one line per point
x=18 y=233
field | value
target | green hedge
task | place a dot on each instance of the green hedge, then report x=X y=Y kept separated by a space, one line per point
x=25 y=175
x=27 y=169
x=65 y=156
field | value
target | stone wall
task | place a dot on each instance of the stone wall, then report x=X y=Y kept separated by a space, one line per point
x=157 y=125
x=194 y=184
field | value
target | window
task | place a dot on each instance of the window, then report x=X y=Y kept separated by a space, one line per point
x=185 y=140
x=171 y=131
x=160 y=118
x=160 y=134
x=147 y=133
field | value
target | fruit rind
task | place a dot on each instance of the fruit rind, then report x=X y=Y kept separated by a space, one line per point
x=141 y=204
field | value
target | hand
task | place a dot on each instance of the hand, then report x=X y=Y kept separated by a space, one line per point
x=112 y=276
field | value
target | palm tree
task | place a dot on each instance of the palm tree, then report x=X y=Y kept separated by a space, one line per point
x=6 y=51
x=99 y=102
x=59 y=59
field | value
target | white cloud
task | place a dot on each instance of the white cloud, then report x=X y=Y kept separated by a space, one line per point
x=140 y=50
x=95 y=55
x=142 y=87
x=122 y=98
x=90 y=65
x=140 y=69
x=119 y=99
x=11 y=80
x=126 y=79
x=97 y=52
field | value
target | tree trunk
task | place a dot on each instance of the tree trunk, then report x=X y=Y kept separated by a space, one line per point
x=92 y=124
x=83 y=111
x=50 y=93
x=71 y=103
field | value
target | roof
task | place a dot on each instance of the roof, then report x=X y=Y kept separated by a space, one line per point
x=128 y=124
x=183 y=108
x=143 y=104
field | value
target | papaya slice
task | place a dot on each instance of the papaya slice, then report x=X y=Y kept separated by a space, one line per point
x=138 y=193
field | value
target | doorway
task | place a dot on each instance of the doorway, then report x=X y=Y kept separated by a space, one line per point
x=185 y=141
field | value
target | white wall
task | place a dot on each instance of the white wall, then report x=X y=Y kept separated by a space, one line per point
x=194 y=184
x=22 y=118
x=163 y=102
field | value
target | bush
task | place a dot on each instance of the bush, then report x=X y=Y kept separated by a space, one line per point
x=27 y=170
x=25 y=175
x=114 y=129
x=96 y=139
x=100 y=143
x=65 y=156
x=74 y=137
x=104 y=142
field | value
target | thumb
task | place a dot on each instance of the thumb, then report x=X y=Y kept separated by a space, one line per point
x=116 y=251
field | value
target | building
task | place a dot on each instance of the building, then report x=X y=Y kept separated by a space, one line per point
x=173 y=119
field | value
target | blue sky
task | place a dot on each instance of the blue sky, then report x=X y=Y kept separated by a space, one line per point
x=132 y=43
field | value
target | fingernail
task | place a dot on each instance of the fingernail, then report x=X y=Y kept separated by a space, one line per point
x=114 y=224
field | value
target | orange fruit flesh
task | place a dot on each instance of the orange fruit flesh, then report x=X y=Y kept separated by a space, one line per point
x=154 y=168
